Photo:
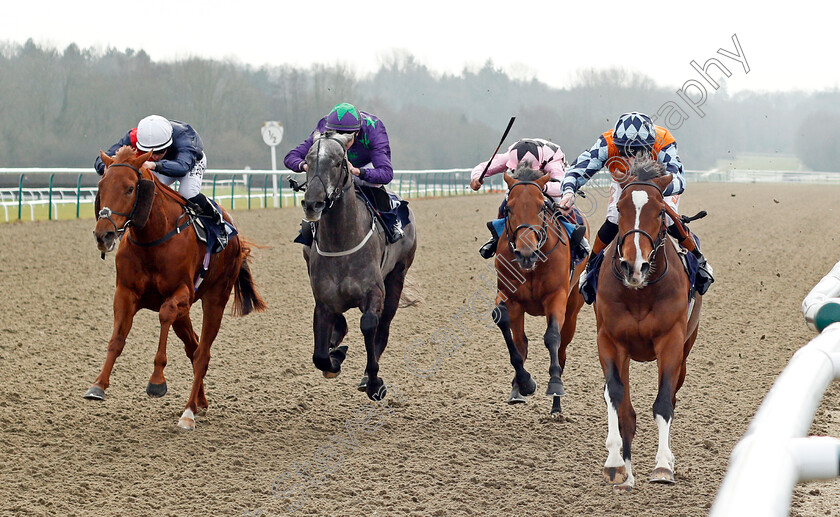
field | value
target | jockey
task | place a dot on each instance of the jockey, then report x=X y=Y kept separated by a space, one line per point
x=369 y=155
x=177 y=154
x=634 y=135
x=540 y=154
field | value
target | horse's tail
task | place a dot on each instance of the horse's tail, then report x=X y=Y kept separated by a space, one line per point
x=246 y=299
x=410 y=295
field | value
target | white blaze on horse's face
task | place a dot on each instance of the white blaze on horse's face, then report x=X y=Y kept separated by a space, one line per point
x=640 y=199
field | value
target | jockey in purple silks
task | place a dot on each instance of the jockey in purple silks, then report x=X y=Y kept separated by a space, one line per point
x=369 y=156
x=541 y=155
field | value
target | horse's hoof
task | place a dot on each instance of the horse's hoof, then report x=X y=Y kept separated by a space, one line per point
x=187 y=420
x=515 y=396
x=363 y=384
x=622 y=488
x=156 y=390
x=95 y=393
x=615 y=475
x=663 y=475
x=338 y=354
x=555 y=389
x=530 y=387
x=375 y=389
x=331 y=375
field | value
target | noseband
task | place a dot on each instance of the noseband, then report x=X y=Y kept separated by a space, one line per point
x=547 y=212
x=656 y=244
x=106 y=212
x=335 y=195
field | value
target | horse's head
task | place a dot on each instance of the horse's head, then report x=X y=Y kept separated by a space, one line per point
x=528 y=210
x=328 y=175
x=125 y=196
x=641 y=221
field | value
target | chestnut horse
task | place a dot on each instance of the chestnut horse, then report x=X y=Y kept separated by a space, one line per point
x=643 y=313
x=535 y=276
x=157 y=266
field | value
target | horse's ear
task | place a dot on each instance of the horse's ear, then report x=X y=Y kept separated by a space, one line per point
x=662 y=181
x=509 y=180
x=543 y=181
x=143 y=158
x=316 y=135
x=107 y=160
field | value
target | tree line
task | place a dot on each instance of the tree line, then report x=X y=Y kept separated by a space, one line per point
x=58 y=108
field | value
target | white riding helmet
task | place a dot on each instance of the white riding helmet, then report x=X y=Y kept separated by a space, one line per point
x=154 y=133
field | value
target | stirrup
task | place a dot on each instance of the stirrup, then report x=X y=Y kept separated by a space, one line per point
x=395 y=233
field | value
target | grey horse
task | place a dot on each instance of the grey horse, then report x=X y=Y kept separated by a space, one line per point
x=350 y=263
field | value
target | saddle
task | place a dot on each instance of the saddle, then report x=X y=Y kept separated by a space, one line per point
x=389 y=211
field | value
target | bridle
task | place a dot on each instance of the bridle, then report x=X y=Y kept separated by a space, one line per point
x=656 y=244
x=345 y=181
x=106 y=212
x=546 y=211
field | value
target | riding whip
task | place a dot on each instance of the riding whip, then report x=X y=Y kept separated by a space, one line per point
x=510 y=124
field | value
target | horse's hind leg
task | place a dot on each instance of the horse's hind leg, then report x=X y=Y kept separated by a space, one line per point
x=213 y=307
x=125 y=307
x=393 y=289
x=172 y=309
x=338 y=352
x=184 y=330
x=371 y=314
x=671 y=361
x=511 y=322
x=567 y=332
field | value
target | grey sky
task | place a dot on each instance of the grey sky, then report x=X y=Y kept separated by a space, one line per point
x=785 y=49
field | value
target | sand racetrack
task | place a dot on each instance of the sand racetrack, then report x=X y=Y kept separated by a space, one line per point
x=452 y=445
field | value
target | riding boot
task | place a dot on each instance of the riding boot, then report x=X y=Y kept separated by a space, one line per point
x=306 y=234
x=704 y=277
x=705 y=273
x=605 y=235
x=489 y=247
x=395 y=231
x=578 y=243
x=207 y=208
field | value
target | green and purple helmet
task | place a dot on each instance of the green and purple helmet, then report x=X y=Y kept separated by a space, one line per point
x=344 y=118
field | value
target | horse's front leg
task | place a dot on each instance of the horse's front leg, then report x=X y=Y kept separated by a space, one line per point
x=323 y=322
x=671 y=362
x=213 y=308
x=555 y=308
x=621 y=418
x=371 y=314
x=511 y=321
x=125 y=307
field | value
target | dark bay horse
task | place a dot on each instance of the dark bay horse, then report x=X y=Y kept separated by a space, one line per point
x=350 y=263
x=157 y=264
x=643 y=313
x=535 y=276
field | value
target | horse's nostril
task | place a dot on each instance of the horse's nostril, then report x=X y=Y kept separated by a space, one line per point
x=319 y=205
x=645 y=268
x=625 y=267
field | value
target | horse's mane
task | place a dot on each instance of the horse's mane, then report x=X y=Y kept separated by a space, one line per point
x=647 y=169
x=524 y=172
x=126 y=153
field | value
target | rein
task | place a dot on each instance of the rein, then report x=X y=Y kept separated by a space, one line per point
x=542 y=232
x=656 y=244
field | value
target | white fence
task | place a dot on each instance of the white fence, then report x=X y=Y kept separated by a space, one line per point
x=776 y=452
x=27 y=189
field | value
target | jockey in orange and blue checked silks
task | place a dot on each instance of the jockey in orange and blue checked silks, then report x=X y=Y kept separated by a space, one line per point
x=634 y=135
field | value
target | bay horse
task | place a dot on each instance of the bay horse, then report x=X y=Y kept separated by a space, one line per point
x=350 y=263
x=643 y=313
x=157 y=264
x=535 y=276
